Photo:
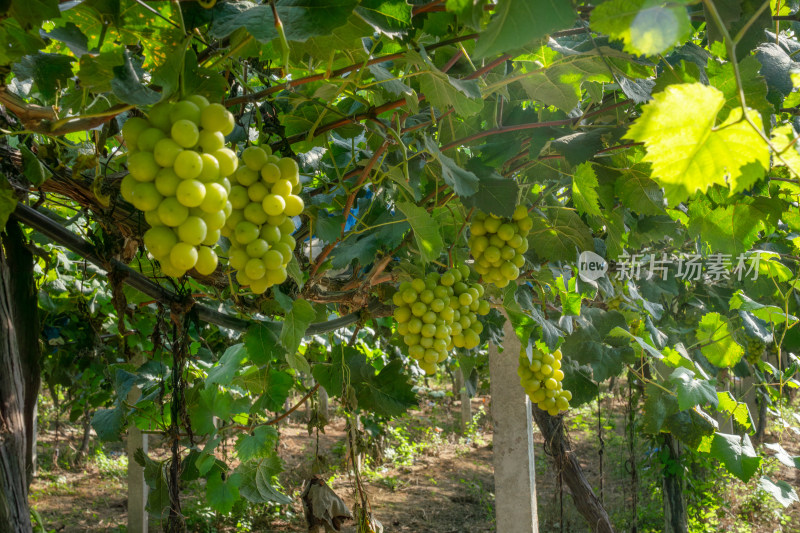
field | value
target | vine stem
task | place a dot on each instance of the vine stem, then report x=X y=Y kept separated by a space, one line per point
x=367 y=169
x=281 y=416
x=336 y=73
x=505 y=129
x=349 y=205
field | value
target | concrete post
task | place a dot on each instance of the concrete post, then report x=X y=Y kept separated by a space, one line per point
x=137 y=488
x=466 y=405
x=34 y=440
x=514 y=474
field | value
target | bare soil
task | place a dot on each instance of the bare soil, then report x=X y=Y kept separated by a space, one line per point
x=449 y=486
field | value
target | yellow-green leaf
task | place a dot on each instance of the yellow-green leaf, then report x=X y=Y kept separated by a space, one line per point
x=689 y=152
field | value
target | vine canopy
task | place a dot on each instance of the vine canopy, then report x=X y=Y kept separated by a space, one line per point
x=646 y=132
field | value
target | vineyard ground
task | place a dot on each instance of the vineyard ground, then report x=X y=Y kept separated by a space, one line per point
x=434 y=480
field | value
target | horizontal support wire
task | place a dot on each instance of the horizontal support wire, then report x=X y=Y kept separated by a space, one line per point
x=62 y=236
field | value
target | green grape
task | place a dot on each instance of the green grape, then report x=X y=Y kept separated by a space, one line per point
x=131 y=130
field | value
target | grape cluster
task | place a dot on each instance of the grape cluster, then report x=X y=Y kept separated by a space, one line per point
x=264 y=198
x=439 y=312
x=541 y=379
x=178 y=167
x=754 y=348
x=497 y=245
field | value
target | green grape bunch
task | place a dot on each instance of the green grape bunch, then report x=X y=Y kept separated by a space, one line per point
x=754 y=348
x=436 y=313
x=541 y=377
x=498 y=244
x=178 y=176
x=264 y=197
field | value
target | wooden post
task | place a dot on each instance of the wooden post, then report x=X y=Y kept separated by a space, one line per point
x=514 y=474
x=137 y=488
x=14 y=513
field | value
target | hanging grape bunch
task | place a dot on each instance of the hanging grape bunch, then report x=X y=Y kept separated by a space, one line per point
x=439 y=312
x=178 y=167
x=498 y=244
x=754 y=348
x=541 y=378
x=264 y=197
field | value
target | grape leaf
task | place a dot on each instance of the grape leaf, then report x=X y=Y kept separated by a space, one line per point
x=792 y=461
x=276 y=390
x=127 y=83
x=50 y=72
x=108 y=423
x=638 y=192
x=443 y=91
x=559 y=85
x=262 y=344
x=463 y=182
x=389 y=393
x=658 y=407
x=16 y=42
x=739 y=411
x=730 y=229
x=207 y=404
x=721 y=76
x=692 y=391
x=155 y=475
x=496 y=194
x=294 y=329
x=259 y=445
x=592 y=343
x=222 y=494
x=716 y=342
x=690 y=426
x=301 y=19
x=389 y=81
x=561 y=236
x=584 y=190
x=646 y=27
x=736 y=454
x=579 y=147
x=32 y=167
x=30 y=13
x=517 y=23
x=389 y=16
x=426 y=231
x=767 y=313
x=256 y=485
x=781 y=491
x=233 y=358
x=577 y=380
x=72 y=36
x=689 y=152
